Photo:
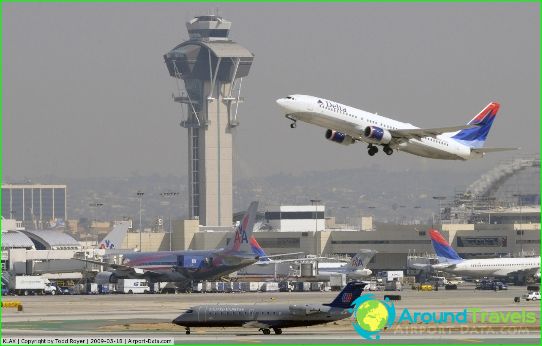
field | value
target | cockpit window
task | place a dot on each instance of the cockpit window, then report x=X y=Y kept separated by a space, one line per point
x=189 y=311
x=290 y=98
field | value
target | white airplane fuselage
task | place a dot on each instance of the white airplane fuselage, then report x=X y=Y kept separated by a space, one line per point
x=494 y=266
x=353 y=122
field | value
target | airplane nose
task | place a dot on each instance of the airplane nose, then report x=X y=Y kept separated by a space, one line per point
x=281 y=102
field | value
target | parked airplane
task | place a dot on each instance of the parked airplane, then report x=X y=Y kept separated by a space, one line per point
x=271 y=316
x=346 y=125
x=113 y=240
x=450 y=261
x=183 y=267
x=355 y=269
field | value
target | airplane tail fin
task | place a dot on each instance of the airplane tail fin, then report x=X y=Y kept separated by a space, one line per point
x=243 y=232
x=257 y=250
x=444 y=251
x=476 y=136
x=114 y=239
x=361 y=259
x=347 y=296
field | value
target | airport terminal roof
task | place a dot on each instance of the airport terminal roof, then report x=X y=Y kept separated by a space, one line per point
x=47 y=239
x=16 y=239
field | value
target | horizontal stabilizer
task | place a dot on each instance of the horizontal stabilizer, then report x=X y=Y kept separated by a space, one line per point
x=490 y=150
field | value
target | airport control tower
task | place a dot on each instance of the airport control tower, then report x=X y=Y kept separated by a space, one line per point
x=212 y=67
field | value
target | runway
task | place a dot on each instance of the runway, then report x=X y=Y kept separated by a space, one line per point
x=150 y=316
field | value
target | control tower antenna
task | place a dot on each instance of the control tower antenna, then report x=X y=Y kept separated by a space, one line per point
x=212 y=68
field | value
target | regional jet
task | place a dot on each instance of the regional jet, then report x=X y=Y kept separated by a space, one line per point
x=271 y=316
x=183 y=267
x=346 y=125
x=450 y=261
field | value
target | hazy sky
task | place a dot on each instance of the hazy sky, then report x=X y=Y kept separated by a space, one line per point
x=86 y=91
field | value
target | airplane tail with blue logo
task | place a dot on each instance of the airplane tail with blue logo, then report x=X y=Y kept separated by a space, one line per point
x=347 y=296
x=115 y=238
x=444 y=251
x=243 y=232
x=475 y=136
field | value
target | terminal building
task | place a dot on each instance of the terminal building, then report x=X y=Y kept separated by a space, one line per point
x=35 y=205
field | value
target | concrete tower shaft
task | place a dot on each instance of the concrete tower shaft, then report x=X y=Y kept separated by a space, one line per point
x=212 y=68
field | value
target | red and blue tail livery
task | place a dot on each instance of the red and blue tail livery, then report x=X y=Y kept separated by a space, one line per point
x=476 y=136
x=443 y=250
x=257 y=250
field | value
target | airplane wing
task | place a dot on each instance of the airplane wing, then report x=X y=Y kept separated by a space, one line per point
x=490 y=150
x=444 y=266
x=285 y=254
x=120 y=267
x=404 y=134
x=256 y=324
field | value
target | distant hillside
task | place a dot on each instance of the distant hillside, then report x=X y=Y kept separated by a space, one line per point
x=388 y=195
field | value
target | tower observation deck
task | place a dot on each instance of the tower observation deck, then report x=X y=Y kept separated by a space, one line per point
x=212 y=67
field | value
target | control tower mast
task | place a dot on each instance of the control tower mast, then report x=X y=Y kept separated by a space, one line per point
x=212 y=67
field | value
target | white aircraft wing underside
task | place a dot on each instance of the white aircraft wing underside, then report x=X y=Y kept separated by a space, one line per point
x=405 y=134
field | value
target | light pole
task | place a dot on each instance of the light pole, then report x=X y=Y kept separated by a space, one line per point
x=315 y=203
x=140 y=197
x=439 y=199
x=94 y=206
x=169 y=195
x=346 y=217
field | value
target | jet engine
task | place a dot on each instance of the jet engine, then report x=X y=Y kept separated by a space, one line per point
x=106 y=278
x=339 y=137
x=377 y=134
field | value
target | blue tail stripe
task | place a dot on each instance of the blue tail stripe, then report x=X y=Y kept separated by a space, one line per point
x=445 y=251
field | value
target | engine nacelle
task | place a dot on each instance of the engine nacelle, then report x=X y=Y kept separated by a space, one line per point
x=106 y=278
x=377 y=134
x=339 y=137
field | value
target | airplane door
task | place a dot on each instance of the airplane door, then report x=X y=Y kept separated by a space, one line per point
x=251 y=315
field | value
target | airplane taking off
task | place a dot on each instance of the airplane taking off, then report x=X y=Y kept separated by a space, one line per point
x=271 y=316
x=346 y=125
x=183 y=267
x=450 y=261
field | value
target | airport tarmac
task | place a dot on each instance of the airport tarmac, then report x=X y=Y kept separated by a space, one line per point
x=151 y=314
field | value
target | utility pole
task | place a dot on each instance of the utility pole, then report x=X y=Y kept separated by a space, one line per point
x=140 y=197
x=169 y=195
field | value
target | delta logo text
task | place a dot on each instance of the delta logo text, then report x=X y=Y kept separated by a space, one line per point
x=371 y=316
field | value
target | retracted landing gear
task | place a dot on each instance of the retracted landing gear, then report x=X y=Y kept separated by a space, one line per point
x=388 y=150
x=372 y=150
x=277 y=331
x=187 y=330
x=266 y=331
